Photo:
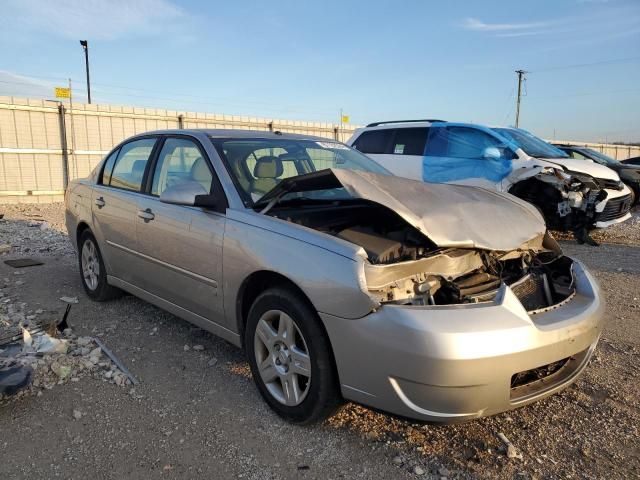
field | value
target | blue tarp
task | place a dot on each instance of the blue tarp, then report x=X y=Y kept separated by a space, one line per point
x=458 y=152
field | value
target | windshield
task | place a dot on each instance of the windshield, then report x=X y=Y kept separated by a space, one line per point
x=257 y=165
x=602 y=157
x=532 y=145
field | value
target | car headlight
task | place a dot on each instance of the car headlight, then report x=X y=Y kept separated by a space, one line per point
x=555 y=171
x=582 y=179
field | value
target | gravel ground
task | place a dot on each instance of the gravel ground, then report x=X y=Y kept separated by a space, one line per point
x=626 y=233
x=196 y=414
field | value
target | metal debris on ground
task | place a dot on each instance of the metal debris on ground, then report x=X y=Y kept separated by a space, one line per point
x=23 y=262
x=63 y=324
x=37 y=354
x=115 y=360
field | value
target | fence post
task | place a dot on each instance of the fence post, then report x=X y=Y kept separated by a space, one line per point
x=336 y=135
x=181 y=122
x=270 y=124
x=63 y=145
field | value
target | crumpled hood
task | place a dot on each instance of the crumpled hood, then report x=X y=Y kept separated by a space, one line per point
x=585 y=166
x=449 y=215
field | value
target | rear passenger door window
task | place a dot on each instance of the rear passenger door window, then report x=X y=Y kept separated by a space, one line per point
x=131 y=164
x=108 y=167
x=409 y=141
x=180 y=161
x=373 y=141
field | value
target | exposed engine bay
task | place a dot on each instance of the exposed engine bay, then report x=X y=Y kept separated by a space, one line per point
x=404 y=267
x=566 y=205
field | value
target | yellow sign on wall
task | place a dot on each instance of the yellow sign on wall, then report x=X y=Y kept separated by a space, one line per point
x=62 y=92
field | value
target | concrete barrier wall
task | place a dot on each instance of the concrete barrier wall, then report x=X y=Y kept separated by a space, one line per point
x=43 y=142
x=619 y=152
x=39 y=137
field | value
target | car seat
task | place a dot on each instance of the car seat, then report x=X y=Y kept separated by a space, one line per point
x=266 y=173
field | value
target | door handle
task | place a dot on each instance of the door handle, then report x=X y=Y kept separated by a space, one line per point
x=99 y=202
x=146 y=215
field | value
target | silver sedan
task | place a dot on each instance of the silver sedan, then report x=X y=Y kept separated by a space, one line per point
x=435 y=302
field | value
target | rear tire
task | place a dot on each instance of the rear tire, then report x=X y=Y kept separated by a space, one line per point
x=93 y=273
x=291 y=358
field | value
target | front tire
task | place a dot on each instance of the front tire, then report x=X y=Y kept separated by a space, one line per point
x=92 y=270
x=290 y=357
x=634 y=195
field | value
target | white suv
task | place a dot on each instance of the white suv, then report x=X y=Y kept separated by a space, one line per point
x=571 y=195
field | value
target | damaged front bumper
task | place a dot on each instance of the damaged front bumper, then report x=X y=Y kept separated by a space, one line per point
x=458 y=362
x=613 y=209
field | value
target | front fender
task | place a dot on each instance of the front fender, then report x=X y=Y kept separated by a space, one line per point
x=328 y=279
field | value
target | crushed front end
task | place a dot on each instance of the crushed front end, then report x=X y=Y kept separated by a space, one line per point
x=576 y=202
x=444 y=347
x=474 y=308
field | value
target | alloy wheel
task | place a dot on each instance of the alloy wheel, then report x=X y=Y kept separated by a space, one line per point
x=90 y=265
x=282 y=358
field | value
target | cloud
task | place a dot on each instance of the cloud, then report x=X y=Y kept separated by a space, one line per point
x=13 y=84
x=480 y=26
x=99 y=19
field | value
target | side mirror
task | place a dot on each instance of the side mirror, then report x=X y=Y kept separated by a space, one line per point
x=184 y=193
x=491 y=153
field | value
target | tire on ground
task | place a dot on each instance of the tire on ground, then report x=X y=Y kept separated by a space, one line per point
x=323 y=397
x=103 y=290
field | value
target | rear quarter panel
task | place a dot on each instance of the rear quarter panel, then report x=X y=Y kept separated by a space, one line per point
x=77 y=208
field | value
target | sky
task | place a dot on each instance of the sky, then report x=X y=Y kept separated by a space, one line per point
x=375 y=60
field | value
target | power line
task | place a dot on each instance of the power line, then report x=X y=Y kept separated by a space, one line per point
x=508 y=106
x=195 y=98
x=585 y=94
x=582 y=65
x=30 y=89
x=272 y=108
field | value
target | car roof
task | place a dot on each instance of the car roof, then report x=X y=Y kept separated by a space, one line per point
x=569 y=146
x=230 y=133
x=405 y=123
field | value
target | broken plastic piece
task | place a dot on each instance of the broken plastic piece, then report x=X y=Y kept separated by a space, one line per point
x=69 y=299
x=512 y=452
x=43 y=343
x=14 y=378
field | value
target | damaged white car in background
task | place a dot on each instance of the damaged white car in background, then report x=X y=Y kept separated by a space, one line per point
x=572 y=196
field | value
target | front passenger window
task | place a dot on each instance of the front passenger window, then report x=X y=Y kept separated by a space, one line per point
x=467 y=143
x=180 y=161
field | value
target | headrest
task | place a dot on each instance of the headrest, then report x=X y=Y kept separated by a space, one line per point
x=138 y=167
x=268 y=167
x=200 y=171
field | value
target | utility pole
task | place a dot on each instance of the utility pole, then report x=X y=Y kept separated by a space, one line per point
x=520 y=79
x=85 y=47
